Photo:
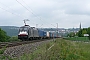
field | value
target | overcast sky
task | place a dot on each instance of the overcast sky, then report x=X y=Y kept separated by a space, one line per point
x=45 y=13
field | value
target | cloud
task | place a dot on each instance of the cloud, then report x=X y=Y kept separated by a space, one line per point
x=67 y=13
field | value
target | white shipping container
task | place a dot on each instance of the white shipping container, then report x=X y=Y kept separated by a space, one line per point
x=48 y=35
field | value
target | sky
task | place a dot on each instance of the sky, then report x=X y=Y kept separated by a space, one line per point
x=45 y=13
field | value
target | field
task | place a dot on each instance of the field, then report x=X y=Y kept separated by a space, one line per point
x=60 y=49
x=77 y=38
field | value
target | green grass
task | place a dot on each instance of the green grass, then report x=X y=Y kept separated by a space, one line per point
x=61 y=50
x=77 y=38
x=2 y=50
x=2 y=57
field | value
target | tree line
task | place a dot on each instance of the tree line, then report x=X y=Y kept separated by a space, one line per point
x=80 y=33
x=5 y=38
x=84 y=31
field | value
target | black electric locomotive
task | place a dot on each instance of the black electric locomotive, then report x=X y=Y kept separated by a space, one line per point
x=26 y=32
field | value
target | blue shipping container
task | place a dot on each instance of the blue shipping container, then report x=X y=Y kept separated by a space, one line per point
x=45 y=34
x=41 y=33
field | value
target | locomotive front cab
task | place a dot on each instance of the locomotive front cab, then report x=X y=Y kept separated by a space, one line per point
x=23 y=32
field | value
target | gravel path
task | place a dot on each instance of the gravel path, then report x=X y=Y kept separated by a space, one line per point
x=17 y=51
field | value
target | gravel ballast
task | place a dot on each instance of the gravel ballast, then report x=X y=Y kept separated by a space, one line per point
x=17 y=51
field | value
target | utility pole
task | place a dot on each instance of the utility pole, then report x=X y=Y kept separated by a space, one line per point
x=25 y=21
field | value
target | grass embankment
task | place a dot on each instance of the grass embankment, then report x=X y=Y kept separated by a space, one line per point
x=60 y=49
x=77 y=38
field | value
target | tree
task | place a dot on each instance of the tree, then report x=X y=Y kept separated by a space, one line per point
x=72 y=34
x=3 y=36
x=88 y=31
x=82 y=32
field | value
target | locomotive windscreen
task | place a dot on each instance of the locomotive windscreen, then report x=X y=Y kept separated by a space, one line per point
x=23 y=29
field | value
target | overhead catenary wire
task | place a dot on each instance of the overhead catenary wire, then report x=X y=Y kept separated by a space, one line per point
x=17 y=13
x=12 y=12
x=29 y=7
x=53 y=25
x=31 y=11
x=24 y=6
x=10 y=9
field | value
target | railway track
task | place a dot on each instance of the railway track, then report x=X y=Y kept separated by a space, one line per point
x=17 y=43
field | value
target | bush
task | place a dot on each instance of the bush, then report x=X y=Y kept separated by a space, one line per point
x=3 y=36
x=14 y=38
x=2 y=50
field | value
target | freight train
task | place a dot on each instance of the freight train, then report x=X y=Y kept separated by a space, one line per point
x=29 y=33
